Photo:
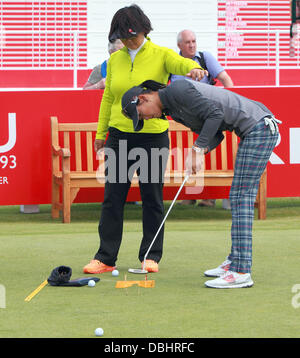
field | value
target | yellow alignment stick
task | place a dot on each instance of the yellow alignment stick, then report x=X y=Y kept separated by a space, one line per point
x=36 y=291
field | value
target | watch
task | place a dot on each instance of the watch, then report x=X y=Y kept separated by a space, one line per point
x=198 y=149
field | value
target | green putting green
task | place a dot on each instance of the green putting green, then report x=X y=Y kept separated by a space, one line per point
x=179 y=305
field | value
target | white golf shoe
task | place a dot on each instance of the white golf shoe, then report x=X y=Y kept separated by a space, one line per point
x=231 y=279
x=220 y=270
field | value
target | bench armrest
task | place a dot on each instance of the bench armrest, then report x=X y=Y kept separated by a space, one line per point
x=62 y=152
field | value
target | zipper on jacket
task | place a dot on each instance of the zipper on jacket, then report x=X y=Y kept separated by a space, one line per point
x=132 y=62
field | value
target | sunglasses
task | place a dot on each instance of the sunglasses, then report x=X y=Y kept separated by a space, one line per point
x=135 y=100
x=132 y=34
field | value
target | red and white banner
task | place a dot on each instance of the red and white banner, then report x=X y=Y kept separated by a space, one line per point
x=25 y=143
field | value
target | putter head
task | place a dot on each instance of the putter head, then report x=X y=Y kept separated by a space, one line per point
x=138 y=271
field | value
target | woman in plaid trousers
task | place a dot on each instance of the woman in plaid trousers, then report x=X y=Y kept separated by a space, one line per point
x=208 y=111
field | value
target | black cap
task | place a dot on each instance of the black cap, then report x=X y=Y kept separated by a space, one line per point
x=130 y=101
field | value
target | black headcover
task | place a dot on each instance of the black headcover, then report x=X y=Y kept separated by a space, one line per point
x=60 y=276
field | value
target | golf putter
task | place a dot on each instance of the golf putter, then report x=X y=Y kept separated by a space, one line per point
x=143 y=270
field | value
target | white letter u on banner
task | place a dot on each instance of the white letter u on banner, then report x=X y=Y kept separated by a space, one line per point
x=12 y=134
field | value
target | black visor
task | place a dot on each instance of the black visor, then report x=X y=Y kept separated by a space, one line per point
x=130 y=101
x=119 y=34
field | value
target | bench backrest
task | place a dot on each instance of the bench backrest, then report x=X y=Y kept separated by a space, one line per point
x=79 y=138
x=221 y=158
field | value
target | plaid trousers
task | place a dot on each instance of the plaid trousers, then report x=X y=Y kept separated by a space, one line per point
x=252 y=157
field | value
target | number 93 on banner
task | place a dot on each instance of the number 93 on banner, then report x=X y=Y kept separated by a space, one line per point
x=8 y=161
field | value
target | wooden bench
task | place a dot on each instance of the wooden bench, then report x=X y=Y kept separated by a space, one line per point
x=74 y=165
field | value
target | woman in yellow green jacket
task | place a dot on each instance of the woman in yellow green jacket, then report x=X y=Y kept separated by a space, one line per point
x=137 y=61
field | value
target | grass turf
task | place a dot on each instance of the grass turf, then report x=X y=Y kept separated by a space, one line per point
x=31 y=245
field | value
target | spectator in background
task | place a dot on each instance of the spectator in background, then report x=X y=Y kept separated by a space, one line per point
x=186 y=41
x=98 y=75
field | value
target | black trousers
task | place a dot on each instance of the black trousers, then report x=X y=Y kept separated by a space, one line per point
x=124 y=152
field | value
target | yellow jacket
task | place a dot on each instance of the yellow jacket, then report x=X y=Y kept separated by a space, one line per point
x=152 y=62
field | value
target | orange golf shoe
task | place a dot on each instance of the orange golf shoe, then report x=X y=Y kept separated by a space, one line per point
x=150 y=266
x=96 y=266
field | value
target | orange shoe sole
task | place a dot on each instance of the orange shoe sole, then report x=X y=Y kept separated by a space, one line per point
x=150 y=268
x=102 y=270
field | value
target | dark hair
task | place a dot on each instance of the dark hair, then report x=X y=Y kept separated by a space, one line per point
x=129 y=19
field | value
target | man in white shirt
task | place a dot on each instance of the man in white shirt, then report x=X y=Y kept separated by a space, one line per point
x=186 y=42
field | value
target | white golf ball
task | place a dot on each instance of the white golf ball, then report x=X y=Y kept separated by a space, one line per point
x=99 y=332
x=91 y=283
x=115 y=273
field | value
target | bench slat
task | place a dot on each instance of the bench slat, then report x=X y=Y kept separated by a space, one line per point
x=67 y=140
x=55 y=143
x=89 y=151
x=179 y=155
x=213 y=159
x=77 y=127
x=234 y=147
x=175 y=126
x=190 y=138
x=78 y=151
x=224 y=165
x=169 y=162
